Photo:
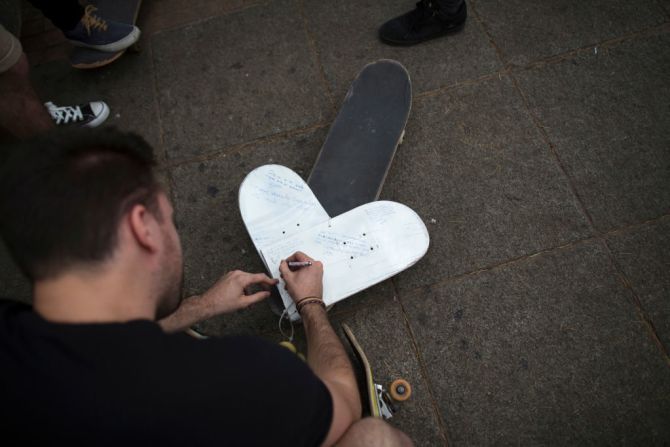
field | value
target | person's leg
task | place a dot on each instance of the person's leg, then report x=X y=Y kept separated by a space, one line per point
x=430 y=19
x=21 y=112
x=372 y=432
x=84 y=27
x=64 y=14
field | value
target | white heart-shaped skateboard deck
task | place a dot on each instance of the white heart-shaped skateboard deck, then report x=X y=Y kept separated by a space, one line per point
x=358 y=249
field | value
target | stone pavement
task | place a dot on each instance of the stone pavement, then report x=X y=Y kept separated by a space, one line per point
x=537 y=152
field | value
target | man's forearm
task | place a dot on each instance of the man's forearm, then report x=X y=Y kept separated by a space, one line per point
x=326 y=355
x=192 y=310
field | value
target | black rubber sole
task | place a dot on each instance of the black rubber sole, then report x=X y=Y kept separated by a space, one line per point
x=407 y=43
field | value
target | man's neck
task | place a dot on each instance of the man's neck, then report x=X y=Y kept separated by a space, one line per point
x=85 y=297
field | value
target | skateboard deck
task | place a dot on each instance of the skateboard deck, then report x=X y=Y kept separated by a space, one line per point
x=355 y=158
x=124 y=11
x=359 y=248
x=374 y=395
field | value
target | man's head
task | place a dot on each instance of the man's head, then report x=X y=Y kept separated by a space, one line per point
x=72 y=201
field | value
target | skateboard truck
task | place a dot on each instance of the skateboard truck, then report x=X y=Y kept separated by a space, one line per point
x=386 y=409
x=380 y=402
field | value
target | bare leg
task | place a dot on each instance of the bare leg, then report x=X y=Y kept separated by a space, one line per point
x=372 y=432
x=21 y=111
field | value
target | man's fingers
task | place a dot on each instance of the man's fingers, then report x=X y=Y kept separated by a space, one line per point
x=301 y=257
x=283 y=268
x=256 y=297
x=260 y=278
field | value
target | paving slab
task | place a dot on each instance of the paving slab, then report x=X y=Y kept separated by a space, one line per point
x=382 y=332
x=644 y=255
x=126 y=86
x=167 y=14
x=543 y=351
x=236 y=88
x=346 y=36
x=214 y=238
x=526 y=31
x=474 y=167
x=607 y=115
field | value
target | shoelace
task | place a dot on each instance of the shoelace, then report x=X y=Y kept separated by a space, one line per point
x=66 y=114
x=92 y=21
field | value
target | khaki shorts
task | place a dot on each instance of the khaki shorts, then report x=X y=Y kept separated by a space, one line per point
x=10 y=50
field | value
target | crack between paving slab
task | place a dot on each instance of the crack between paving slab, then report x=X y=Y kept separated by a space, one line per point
x=522 y=258
x=641 y=313
x=508 y=69
x=316 y=55
x=482 y=25
x=243 y=147
x=201 y=20
x=633 y=226
x=552 y=149
x=161 y=139
x=588 y=49
x=422 y=368
x=506 y=263
x=456 y=85
x=162 y=167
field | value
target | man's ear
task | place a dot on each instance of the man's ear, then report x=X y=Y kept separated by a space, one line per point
x=143 y=227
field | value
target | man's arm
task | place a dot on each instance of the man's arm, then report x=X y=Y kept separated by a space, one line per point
x=226 y=296
x=329 y=361
x=325 y=353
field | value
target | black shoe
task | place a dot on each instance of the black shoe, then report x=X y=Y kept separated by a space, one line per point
x=425 y=22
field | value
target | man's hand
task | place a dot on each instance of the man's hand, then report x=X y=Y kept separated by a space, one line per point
x=305 y=281
x=228 y=293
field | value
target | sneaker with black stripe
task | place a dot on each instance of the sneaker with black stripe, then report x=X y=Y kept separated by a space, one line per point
x=87 y=115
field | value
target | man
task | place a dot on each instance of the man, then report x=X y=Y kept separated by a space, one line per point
x=430 y=19
x=85 y=219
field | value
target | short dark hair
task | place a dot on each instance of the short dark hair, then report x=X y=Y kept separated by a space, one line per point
x=63 y=194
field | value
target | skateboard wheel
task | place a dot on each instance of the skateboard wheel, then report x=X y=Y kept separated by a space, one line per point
x=400 y=390
x=288 y=345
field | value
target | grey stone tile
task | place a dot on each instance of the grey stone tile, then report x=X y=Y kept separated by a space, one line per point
x=166 y=14
x=382 y=333
x=527 y=31
x=644 y=255
x=476 y=170
x=254 y=77
x=607 y=115
x=13 y=285
x=372 y=297
x=126 y=86
x=545 y=351
x=213 y=235
x=345 y=32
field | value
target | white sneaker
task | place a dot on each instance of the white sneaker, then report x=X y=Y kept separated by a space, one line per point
x=87 y=115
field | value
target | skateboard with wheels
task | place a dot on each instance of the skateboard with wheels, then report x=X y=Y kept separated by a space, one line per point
x=124 y=11
x=377 y=401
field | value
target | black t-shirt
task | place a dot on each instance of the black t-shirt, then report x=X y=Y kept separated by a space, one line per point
x=130 y=384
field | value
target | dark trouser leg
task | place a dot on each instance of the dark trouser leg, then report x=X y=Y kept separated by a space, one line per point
x=65 y=14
